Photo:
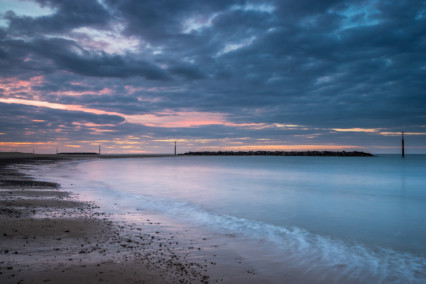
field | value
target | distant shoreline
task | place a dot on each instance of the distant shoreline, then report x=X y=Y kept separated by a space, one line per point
x=90 y=155
x=282 y=153
x=76 y=155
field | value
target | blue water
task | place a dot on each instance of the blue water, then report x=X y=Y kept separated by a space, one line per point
x=363 y=219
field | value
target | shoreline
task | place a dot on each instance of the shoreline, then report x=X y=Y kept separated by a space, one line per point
x=48 y=235
x=74 y=156
x=52 y=234
x=57 y=234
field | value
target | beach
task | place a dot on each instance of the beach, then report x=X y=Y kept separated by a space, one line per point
x=52 y=235
x=47 y=236
x=167 y=219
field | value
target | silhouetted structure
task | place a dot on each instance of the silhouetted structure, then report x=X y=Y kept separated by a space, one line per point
x=175 y=148
x=99 y=149
x=402 y=145
x=283 y=153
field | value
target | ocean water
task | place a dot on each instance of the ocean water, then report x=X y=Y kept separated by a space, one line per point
x=330 y=219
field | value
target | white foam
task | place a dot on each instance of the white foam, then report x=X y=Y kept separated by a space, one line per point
x=314 y=253
x=325 y=256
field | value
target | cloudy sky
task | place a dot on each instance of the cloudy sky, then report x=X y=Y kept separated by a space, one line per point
x=134 y=76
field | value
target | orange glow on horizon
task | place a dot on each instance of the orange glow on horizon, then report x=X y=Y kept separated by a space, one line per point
x=292 y=147
x=399 y=133
x=367 y=130
x=24 y=143
x=123 y=146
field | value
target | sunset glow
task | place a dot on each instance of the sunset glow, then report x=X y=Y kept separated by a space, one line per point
x=295 y=148
x=355 y=130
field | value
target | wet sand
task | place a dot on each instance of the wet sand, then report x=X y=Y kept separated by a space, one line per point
x=48 y=236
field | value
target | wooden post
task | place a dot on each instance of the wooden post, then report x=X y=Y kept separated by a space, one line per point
x=99 y=149
x=402 y=145
x=175 y=148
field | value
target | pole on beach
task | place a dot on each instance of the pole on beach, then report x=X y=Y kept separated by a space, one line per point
x=402 y=145
x=99 y=149
x=175 y=148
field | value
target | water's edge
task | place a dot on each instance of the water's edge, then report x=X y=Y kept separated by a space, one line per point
x=286 y=250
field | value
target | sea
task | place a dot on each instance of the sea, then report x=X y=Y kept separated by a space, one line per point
x=304 y=219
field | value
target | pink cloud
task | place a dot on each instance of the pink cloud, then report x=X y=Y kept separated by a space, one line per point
x=178 y=119
x=166 y=119
x=12 y=86
x=104 y=91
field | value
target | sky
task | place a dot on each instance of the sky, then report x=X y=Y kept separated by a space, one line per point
x=135 y=76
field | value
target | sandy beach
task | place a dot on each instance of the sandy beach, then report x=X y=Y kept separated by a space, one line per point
x=48 y=236
x=61 y=222
x=164 y=220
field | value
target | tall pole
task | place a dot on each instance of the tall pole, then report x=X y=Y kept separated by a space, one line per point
x=402 y=145
x=175 y=148
x=99 y=149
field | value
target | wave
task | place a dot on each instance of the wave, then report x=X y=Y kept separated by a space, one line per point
x=326 y=257
x=316 y=254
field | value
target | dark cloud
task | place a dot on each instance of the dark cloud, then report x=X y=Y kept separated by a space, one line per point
x=301 y=8
x=187 y=71
x=157 y=20
x=318 y=64
x=63 y=54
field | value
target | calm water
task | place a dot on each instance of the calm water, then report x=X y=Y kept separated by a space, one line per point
x=361 y=219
